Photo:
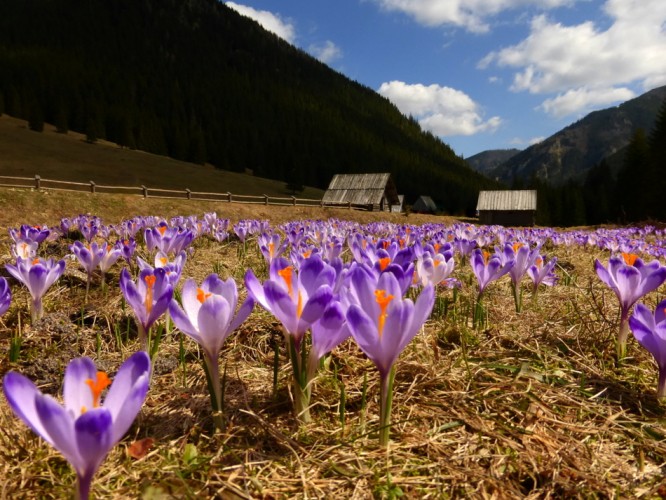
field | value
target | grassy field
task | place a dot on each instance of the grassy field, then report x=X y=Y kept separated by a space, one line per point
x=68 y=157
x=531 y=405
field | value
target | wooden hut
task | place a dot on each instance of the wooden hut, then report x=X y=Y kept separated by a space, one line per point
x=507 y=208
x=424 y=205
x=398 y=208
x=369 y=191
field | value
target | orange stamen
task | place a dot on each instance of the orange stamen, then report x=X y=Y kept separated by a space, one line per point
x=162 y=230
x=271 y=249
x=287 y=275
x=164 y=261
x=383 y=301
x=629 y=258
x=539 y=262
x=383 y=263
x=307 y=254
x=150 y=283
x=35 y=261
x=385 y=244
x=202 y=296
x=401 y=241
x=486 y=257
x=437 y=246
x=516 y=246
x=101 y=382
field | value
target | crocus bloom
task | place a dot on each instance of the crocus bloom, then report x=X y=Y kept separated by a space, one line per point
x=519 y=253
x=542 y=273
x=149 y=297
x=25 y=249
x=630 y=279
x=271 y=246
x=86 y=428
x=5 y=296
x=297 y=299
x=383 y=323
x=488 y=268
x=209 y=316
x=89 y=256
x=434 y=268
x=37 y=275
x=650 y=331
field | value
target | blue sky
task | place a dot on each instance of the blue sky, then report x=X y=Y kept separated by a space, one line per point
x=483 y=74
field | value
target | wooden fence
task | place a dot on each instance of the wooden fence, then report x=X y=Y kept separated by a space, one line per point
x=37 y=183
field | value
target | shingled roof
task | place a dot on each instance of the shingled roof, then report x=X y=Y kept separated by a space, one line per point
x=507 y=200
x=361 y=189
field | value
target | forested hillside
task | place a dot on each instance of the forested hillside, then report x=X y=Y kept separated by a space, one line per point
x=194 y=80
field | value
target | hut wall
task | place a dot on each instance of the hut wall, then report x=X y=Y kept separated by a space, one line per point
x=507 y=217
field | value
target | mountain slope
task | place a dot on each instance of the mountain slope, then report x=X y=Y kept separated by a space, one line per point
x=198 y=82
x=571 y=152
x=487 y=161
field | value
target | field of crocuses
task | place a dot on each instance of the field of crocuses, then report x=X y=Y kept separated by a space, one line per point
x=203 y=357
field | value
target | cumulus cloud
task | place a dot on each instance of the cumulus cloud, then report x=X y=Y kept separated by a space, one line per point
x=326 y=52
x=469 y=14
x=586 y=65
x=572 y=101
x=268 y=20
x=441 y=110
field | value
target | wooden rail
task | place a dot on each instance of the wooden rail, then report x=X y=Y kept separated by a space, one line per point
x=38 y=183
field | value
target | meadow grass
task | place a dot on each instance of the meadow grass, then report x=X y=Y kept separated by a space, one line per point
x=532 y=405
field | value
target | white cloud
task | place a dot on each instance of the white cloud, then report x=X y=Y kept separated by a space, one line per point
x=268 y=20
x=326 y=52
x=575 y=100
x=441 y=110
x=470 y=14
x=536 y=140
x=586 y=65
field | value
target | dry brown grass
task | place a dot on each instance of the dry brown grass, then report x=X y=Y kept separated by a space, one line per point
x=531 y=406
x=68 y=157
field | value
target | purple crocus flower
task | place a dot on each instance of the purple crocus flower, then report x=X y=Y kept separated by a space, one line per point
x=272 y=246
x=86 y=428
x=37 y=275
x=650 y=331
x=630 y=279
x=383 y=323
x=89 y=256
x=298 y=299
x=209 y=316
x=149 y=297
x=519 y=253
x=434 y=268
x=542 y=273
x=488 y=268
x=5 y=296
x=29 y=233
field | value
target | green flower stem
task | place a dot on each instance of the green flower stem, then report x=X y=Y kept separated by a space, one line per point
x=385 y=404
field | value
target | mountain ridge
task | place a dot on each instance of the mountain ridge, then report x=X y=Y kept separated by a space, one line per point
x=571 y=152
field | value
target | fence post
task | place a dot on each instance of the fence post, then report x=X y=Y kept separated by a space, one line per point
x=145 y=191
x=265 y=200
x=293 y=200
x=321 y=203
x=229 y=196
x=188 y=193
x=37 y=182
x=349 y=205
x=92 y=187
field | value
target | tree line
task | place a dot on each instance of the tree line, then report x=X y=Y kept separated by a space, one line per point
x=198 y=82
x=622 y=190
